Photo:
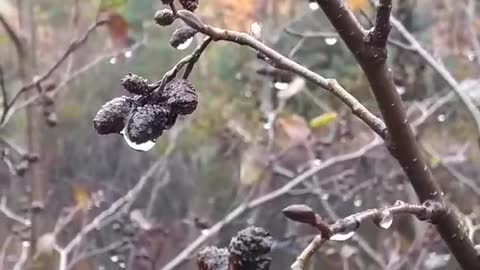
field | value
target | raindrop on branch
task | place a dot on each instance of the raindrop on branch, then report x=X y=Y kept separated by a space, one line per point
x=330 y=41
x=357 y=202
x=384 y=219
x=141 y=147
x=26 y=244
x=114 y=258
x=342 y=236
x=184 y=45
x=281 y=85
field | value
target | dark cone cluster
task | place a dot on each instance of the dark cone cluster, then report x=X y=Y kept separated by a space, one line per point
x=190 y=5
x=212 y=258
x=181 y=96
x=135 y=84
x=164 y=17
x=112 y=117
x=250 y=249
x=181 y=35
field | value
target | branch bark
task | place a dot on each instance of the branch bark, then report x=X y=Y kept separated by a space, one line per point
x=371 y=56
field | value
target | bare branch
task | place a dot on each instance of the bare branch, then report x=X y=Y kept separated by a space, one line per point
x=282 y=62
x=12 y=215
x=381 y=29
x=13 y=36
x=302 y=261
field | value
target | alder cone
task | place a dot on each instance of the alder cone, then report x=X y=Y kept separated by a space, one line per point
x=212 y=258
x=135 y=84
x=181 y=35
x=147 y=123
x=250 y=249
x=181 y=95
x=190 y=5
x=111 y=118
x=164 y=17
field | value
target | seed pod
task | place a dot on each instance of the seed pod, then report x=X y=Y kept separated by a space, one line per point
x=135 y=84
x=190 y=5
x=112 y=116
x=164 y=17
x=181 y=96
x=212 y=258
x=182 y=35
x=250 y=249
x=147 y=123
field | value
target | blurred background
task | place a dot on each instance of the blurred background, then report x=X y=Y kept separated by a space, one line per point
x=72 y=199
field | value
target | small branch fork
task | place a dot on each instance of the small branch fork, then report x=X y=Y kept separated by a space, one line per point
x=429 y=211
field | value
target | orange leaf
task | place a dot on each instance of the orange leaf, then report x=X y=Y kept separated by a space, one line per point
x=118 y=30
x=356 y=5
x=82 y=197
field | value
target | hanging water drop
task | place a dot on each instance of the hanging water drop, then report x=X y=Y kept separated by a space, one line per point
x=441 y=118
x=141 y=147
x=114 y=258
x=357 y=202
x=325 y=196
x=342 y=236
x=313 y=5
x=113 y=60
x=330 y=41
x=128 y=53
x=184 y=45
x=281 y=85
x=384 y=219
x=26 y=244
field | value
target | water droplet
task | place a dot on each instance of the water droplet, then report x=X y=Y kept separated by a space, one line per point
x=281 y=85
x=415 y=160
x=28 y=222
x=142 y=147
x=330 y=41
x=384 y=219
x=26 y=244
x=398 y=203
x=441 y=118
x=317 y=162
x=342 y=236
x=122 y=265
x=325 y=196
x=128 y=53
x=114 y=258
x=267 y=126
x=435 y=260
x=357 y=202
x=113 y=60
x=313 y=5
x=185 y=44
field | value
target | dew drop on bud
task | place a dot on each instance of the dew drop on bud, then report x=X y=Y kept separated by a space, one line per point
x=141 y=147
x=330 y=41
x=342 y=236
x=184 y=45
x=384 y=219
x=313 y=5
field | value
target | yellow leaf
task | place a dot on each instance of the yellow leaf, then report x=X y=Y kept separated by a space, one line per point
x=82 y=197
x=253 y=165
x=323 y=120
x=356 y=5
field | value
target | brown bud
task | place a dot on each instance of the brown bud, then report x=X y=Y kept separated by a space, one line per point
x=190 y=5
x=300 y=213
x=135 y=84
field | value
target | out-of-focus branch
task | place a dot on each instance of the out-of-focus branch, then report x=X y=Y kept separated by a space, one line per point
x=441 y=70
x=13 y=36
x=74 y=45
x=12 y=215
x=243 y=208
x=23 y=258
x=283 y=62
x=303 y=259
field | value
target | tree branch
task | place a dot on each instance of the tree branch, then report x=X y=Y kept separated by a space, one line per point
x=283 y=62
x=401 y=141
x=13 y=36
